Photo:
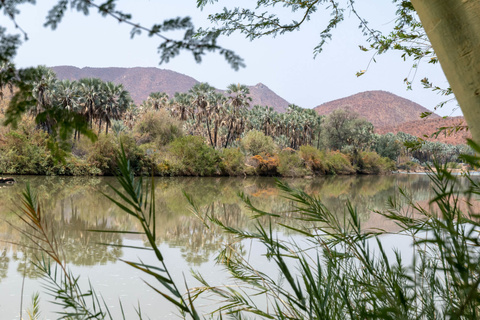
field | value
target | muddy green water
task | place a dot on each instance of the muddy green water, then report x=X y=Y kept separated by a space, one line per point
x=75 y=205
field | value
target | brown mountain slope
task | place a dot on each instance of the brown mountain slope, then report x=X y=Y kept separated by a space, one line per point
x=263 y=96
x=381 y=108
x=429 y=126
x=140 y=82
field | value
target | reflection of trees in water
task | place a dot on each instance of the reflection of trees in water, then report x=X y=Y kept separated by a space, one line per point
x=75 y=205
x=4 y=261
x=82 y=247
x=76 y=244
x=27 y=259
x=197 y=242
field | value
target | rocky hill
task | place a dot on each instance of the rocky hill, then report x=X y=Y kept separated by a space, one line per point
x=140 y=82
x=263 y=96
x=429 y=126
x=381 y=108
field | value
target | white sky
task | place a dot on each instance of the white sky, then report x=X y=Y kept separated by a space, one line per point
x=285 y=64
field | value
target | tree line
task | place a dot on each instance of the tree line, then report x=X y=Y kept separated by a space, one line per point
x=226 y=120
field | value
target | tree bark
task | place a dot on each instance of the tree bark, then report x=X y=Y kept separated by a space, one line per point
x=453 y=27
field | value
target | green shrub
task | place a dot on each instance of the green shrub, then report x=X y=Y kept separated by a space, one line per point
x=189 y=155
x=157 y=127
x=104 y=151
x=372 y=163
x=314 y=159
x=408 y=166
x=233 y=162
x=72 y=166
x=387 y=145
x=255 y=142
x=102 y=154
x=24 y=151
x=291 y=164
x=338 y=163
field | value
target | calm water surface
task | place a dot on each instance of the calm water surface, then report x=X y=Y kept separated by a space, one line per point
x=75 y=205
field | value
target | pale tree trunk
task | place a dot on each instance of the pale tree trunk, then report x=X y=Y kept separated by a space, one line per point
x=453 y=27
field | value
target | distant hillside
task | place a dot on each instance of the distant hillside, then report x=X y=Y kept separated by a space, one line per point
x=140 y=82
x=263 y=96
x=428 y=126
x=381 y=108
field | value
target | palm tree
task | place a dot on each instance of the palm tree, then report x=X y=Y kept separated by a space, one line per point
x=157 y=100
x=179 y=106
x=130 y=115
x=114 y=102
x=90 y=98
x=200 y=100
x=216 y=115
x=42 y=92
x=67 y=95
x=7 y=78
x=238 y=103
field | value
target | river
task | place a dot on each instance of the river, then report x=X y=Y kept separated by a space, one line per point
x=74 y=205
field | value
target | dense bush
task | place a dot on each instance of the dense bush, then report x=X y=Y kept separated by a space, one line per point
x=189 y=155
x=157 y=127
x=233 y=162
x=387 y=145
x=372 y=163
x=338 y=163
x=104 y=151
x=101 y=154
x=408 y=166
x=314 y=159
x=255 y=142
x=290 y=164
x=24 y=152
x=345 y=129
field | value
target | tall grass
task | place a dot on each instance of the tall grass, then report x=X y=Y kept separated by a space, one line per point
x=340 y=271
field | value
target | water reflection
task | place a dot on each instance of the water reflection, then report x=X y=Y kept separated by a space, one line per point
x=75 y=205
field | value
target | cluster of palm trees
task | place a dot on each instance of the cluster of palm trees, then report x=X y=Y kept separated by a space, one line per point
x=429 y=151
x=294 y=128
x=97 y=102
x=223 y=118
x=218 y=117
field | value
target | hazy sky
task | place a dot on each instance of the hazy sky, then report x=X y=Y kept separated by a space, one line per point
x=285 y=64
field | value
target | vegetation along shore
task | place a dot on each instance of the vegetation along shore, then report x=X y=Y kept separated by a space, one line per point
x=199 y=133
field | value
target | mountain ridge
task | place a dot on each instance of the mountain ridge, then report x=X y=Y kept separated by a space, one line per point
x=141 y=81
x=381 y=108
x=427 y=127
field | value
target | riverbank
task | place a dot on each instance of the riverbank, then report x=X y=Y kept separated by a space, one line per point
x=459 y=170
x=24 y=151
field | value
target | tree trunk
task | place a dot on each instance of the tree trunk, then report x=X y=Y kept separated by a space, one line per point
x=209 y=133
x=228 y=135
x=453 y=27
x=215 y=134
